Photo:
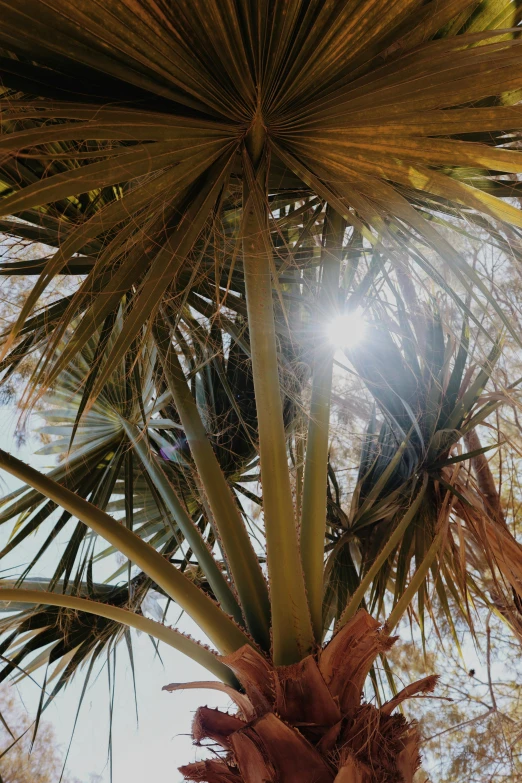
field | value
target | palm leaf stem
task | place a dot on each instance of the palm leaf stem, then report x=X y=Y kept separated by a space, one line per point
x=193 y=536
x=164 y=633
x=291 y=625
x=313 y=520
x=220 y=628
x=236 y=544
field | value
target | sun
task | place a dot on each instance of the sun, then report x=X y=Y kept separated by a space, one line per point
x=346 y=330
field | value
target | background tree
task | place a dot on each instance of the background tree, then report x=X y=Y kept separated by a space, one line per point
x=471 y=730
x=31 y=759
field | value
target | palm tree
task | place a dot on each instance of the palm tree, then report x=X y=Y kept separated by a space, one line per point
x=184 y=160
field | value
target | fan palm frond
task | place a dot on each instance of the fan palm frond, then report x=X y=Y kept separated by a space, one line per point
x=136 y=189
x=416 y=506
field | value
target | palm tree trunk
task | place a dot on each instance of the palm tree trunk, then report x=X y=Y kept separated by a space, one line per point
x=305 y=723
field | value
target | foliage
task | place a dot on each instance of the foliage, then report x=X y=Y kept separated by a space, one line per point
x=471 y=729
x=25 y=761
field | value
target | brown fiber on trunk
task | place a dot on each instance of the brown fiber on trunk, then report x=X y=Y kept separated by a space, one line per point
x=309 y=724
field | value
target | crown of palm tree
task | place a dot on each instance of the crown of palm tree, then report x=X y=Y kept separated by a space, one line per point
x=184 y=160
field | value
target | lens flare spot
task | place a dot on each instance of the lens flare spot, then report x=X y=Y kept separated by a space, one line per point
x=346 y=330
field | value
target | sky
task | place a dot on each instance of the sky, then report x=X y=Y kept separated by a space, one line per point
x=150 y=750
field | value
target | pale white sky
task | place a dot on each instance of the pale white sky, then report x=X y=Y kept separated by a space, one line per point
x=154 y=749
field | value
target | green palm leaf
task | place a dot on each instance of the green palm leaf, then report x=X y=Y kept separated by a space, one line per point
x=427 y=401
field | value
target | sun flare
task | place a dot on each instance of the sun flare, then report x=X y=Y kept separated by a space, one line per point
x=346 y=330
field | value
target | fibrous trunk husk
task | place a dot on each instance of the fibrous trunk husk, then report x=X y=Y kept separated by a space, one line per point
x=307 y=723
